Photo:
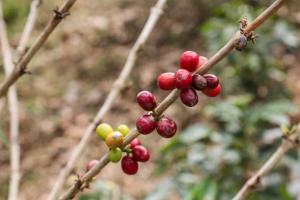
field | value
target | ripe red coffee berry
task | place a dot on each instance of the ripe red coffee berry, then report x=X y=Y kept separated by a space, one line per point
x=146 y=100
x=146 y=124
x=202 y=61
x=135 y=142
x=183 y=79
x=140 y=153
x=199 y=82
x=212 y=92
x=129 y=165
x=212 y=80
x=189 y=60
x=166 y=127
x=166 y=81
x=189 y=97
x=91 y=164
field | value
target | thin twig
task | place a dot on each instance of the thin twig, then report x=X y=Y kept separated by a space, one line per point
x=84 y=181
x=31 y=19
x=156 y=12
x=21 y=67
x=14 y=113
x=254 y=182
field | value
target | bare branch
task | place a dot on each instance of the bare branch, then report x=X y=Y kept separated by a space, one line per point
x=103 y=161
x=28 y=27
x=287 y=144
x=14 y=113
x=21 y=66
x=156 y=12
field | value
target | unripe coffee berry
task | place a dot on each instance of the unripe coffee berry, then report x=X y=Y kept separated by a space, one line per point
x=146 y=100
x=146 y=124
x=123 y=129
x=189 y=97
x=183 y=79
x=140 y=153
x=135 y=142
x=166 y=81
x=166 y=127
x=114 y=140
x=103 y=130
x=212 y=80
x=129 y=165
x=115 y=155
x=189 y=60
x=199 y=82
x=212 y=92
x=91 y=164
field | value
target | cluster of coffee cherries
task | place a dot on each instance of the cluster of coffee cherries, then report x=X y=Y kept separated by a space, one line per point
x=188 y=83
x=165 y=126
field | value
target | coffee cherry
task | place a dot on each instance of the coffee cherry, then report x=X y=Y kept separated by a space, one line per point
x=146 y=100
x=129 y=165
x=183 y=79
x=166 y=127
x=140 y=154
x=212 y=92
x=115 y=155
x=114 y=140
x=189 y=60
x=135 y=142
x=212 y=80
x=202 y=61
x=166 y=81
x=189 y=97
x=146 y=124
x=199 y=82
x=103 y=130
x=91 y=164
x=123 y=129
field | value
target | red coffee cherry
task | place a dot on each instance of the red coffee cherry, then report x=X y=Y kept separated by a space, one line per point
x=189 y=60
x=129 y=165
x=202 y=61
x=212 y=80
x=199 y=82
x=146 y=100
x=140 y=153
x=135 y=142
x=166 y=127
x=212 y=92
x=166 y=81
x=183 y=79
x=146 y=124
x=91 y=164
x=189 y=97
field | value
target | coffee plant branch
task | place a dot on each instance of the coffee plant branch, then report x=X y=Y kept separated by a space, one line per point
x=83 y=182
x=156 y=12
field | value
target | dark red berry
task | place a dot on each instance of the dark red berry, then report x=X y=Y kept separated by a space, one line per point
x=166 y=127
x=91 y=164
x=140 y=153
x=183 y=79
x=202 y=61
x=189 y=60
x=189 y=97
x=146 y=100
x=212 y=80
x=135 y=142
x=146 y=124
x=212 y=92
x=129 y=165
x=199 y=82
x=166 y=81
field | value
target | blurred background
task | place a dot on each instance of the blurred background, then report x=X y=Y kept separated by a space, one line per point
x=220 y=142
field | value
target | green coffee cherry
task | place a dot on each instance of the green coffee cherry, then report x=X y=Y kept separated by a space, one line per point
x=103 y=130
x=115 y=155
x=123 y=129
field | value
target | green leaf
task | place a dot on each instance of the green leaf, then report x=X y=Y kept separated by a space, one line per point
x=206 y=190
x=4 y=139
x=195 y=133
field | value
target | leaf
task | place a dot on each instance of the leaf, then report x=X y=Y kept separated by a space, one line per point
x=195 y=133
x=4 y=139
x=206 y=190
